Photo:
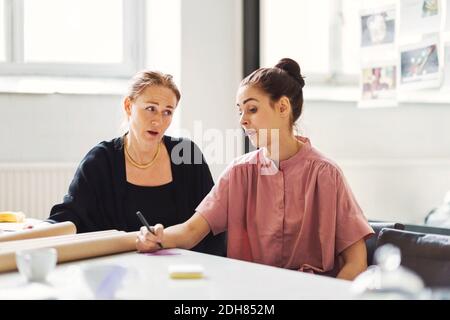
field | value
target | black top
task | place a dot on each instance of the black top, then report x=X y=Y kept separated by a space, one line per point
x=157 y=204
x=96 y=199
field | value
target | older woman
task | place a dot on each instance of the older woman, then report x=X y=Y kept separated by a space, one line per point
x=144 y=170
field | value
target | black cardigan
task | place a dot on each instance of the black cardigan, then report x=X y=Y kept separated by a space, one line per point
x=95 y=200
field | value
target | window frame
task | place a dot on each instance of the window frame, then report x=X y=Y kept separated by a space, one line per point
x=133 y=47
x=335 y=74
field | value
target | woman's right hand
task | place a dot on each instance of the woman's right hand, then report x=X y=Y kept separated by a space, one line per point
x=148 y=242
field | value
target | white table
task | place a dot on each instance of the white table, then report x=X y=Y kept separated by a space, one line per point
x=147 y=278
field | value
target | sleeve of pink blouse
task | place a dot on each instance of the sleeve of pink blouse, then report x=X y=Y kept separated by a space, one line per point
x=351 y=224
x=214 y=207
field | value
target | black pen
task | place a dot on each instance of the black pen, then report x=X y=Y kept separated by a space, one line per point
x=149 y=228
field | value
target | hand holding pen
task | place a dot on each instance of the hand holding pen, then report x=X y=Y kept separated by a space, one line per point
x=145 y=237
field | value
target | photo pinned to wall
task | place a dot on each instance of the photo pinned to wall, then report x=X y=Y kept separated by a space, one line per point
x=420 y=65
x=377 y=26
x=378 y=85
x=430 y=8
x=378 y=31
x=420 y=17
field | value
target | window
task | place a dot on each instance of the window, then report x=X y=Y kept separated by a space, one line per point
x=2 y=32
x=76 y=38
x=296 y=29
x=323 y=36
x=351 y=33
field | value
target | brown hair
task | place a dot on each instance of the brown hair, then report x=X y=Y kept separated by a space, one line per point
x=143 y=79
x=284 y=79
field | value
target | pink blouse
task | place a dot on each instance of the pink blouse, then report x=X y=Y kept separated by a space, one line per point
x=299 y=216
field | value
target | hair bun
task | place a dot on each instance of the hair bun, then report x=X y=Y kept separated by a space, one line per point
x=292 y=68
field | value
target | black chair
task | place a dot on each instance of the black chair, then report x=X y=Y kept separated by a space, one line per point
x=371 y=243
x=426 y=254
x=427 y=229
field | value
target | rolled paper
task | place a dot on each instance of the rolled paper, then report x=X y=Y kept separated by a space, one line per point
x=76 y=247
x=50 y=230
x=9 y=246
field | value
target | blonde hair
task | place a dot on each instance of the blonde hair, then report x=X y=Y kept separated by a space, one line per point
x=144 y=79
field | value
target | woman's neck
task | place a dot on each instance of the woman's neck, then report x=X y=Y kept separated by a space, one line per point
x=140 y=152
x=288 y=146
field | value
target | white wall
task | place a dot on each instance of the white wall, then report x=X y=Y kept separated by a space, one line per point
x=211 y=69
x=56 y=127
x=397 y=160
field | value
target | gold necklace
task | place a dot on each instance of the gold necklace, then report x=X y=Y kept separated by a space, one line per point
x=142 y=166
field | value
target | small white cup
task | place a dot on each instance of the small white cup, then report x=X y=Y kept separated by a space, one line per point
x=36 y=264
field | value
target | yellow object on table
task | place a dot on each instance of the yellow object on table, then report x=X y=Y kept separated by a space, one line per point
x=12 y=216
x=186 y=271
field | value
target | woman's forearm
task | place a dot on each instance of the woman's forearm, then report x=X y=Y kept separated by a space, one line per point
x=176 y=236
x=350 y=271
x=186 y=235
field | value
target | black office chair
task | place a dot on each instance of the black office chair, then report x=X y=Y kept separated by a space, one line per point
x=426 y=254
x=371 y=243
x=427 y=229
